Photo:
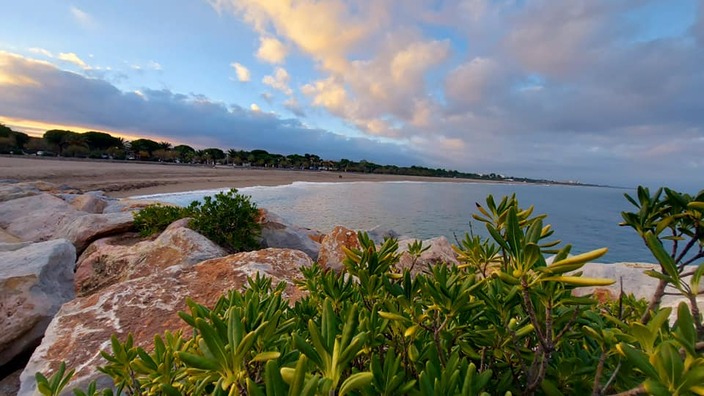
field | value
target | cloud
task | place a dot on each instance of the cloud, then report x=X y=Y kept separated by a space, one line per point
x=255 y=107
x=83 y=18
x=71 y=57
x=279 y=81
x=242 y=72
x=292 y=105
x=41 y=51
x=271 y=50
x=62 y=97
x=154 y=66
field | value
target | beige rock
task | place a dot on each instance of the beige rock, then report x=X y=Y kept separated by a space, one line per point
x=110 y=260
x=35 y=280
x=36 y=218
x=440 y=251
x=6 y=237
x=148 y=306
x=632 y=277
x=89 y=227
x=331 y=254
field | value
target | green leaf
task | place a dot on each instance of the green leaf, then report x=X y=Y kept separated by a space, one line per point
x=197 y=361
x=550 y=388
x=638 y=359
x=212 y=341
x=580 y=281
x=356 y=381
x=667 y=262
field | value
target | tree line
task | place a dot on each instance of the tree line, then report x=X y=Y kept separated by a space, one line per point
x=101 y=145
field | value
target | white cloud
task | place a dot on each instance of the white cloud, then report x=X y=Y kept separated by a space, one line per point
x=154 y=66
x=279 y=81
x=41 y=51
x=73 y=58
x=242 y=72
x=255 y=107
x=83 y=18
x=271 y=50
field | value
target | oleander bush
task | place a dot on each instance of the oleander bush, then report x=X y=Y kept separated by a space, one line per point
x=227 y=218
x=503 y=322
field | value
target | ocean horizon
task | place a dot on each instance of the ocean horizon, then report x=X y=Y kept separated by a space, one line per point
x=587 y=217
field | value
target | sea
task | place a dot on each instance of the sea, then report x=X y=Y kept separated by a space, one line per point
x=584 y=216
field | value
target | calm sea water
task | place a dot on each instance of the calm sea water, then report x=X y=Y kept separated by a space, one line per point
x=586 y=217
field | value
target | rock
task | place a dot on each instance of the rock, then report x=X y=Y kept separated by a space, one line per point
x=34 y=281
x=8 y=192
x=378 y=234
x=632 y=278
x=6 y=237
x=90 y=202
x=440 y=251
x=10 y=385
x=87 y=228
x=331 y=254
x=111 y=260
x=277 y=233
x=36 y=218
x=145 y=307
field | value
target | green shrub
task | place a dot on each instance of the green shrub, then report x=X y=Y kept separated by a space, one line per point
x=228 y=219
x=155 y=218
x=506 y=324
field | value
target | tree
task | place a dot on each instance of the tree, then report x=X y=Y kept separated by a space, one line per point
x=214 y=154
x=101 y=141
x=61 y=138
x=185 y=153
x=146 y=145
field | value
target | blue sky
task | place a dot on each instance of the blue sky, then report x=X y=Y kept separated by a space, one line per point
x=590 y=90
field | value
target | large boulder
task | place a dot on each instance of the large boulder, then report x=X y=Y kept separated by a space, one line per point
x=331 y=254
x=439 y=251
x=115 y=259
x=632 y=278
x=90 y=202
x=77 y=217
x=11 y=189
x=36 y=218
x=277 y=233
x=145 y=307
x=89 y=227
x=35 y=279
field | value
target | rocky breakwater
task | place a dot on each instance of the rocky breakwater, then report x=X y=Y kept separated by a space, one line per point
x=73 y=272
x=42 y=228
x=147 y=306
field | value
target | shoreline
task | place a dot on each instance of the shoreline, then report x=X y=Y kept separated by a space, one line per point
x=122 y=179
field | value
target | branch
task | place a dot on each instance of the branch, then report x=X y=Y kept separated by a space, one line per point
x=639 y=390
x=596 y=389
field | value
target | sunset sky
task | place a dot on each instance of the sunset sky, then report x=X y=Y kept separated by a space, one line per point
x=597 y=91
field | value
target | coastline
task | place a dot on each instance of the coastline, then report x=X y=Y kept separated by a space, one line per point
x=121 y=179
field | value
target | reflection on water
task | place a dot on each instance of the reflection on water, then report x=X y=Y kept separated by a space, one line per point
x=586 y=217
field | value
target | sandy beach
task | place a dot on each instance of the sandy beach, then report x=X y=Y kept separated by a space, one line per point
x=129 y=178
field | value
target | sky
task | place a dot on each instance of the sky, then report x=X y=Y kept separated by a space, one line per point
x=596 y=91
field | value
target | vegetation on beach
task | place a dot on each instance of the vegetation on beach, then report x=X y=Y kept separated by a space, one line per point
x=505 y=321
x=100 y=145
x=227 y=218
